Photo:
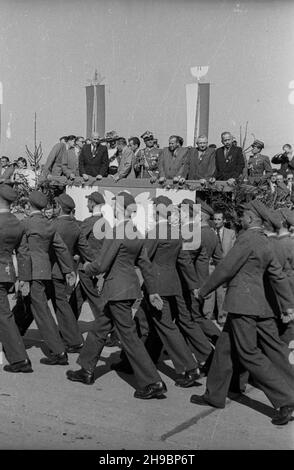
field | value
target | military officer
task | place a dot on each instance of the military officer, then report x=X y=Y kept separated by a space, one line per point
x=250 y=334
x=258 y=164
x=12 y=237
x=146 y=160
x=118 y=258
x=43 y=239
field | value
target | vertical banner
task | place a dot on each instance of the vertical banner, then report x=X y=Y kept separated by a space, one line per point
x=191 y=99
x=204 y=94
x=90 y=107
x=1 y=102
x=95 y=101
x=100 y=110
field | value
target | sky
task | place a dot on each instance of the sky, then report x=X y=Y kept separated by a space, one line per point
x=144 y=49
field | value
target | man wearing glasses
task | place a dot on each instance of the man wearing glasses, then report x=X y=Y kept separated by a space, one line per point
x=93 y=159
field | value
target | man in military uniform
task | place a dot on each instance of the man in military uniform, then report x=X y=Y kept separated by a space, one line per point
x=208 y=249
x=118 y=258
x=12 y=237
x=250 y=335
x=87 y=287
x=44 y=240
x=258 y=165
x=146 y=160
x=77 y=244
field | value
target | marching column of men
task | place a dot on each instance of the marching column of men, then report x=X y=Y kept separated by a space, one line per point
x=61 y=260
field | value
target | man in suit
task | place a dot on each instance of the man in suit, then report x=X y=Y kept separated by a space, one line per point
x=259 y=165
x=173 y=159
x=6 y=170
x=226 y=238
x=93 y=159
x=12 y=237
x=44 y=240
x=53 y=165
x=200 y=164
x=126 y=160
x=70 y=159
x=121 y=288
x=229 y=160
x=250 y=335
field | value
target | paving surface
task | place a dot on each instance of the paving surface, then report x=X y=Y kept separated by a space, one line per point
x=44 y=410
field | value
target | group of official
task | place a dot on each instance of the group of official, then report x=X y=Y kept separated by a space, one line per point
x=66 y=261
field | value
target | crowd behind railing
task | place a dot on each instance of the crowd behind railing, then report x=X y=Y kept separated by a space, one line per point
x=76 y=160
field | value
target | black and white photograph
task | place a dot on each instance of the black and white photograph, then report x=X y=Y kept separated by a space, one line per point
x=146 y=228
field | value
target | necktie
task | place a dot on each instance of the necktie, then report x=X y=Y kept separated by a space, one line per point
x=218 y=236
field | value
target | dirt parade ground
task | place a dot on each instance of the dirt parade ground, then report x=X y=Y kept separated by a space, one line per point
x=44 y=410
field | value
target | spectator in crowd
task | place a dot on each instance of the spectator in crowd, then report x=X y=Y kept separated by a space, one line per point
x=200 y=163
x=70 y=160
x=134 y=144
x=173 y=159
x=126 y=157
x=80 y=142
x=258 y=164
x=146 y=160
x=229 y=160
x=23 y=175
x=93 y=160
x=63 y=139
x=111 y=140
x=6 y=170
x=226 y=238
x=54 y=160
x=285 y=159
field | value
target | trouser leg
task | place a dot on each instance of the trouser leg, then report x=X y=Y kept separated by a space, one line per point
x=207 y=326
x=76 y=300
x=9 y=335
x=264 y=373
x=95 y=341
x=142 y=365
x=22 y=313
x=192 y=331
x=172 y=338
x=221 y=369
x=65 y=317
x=43 y=317
x=275 y=349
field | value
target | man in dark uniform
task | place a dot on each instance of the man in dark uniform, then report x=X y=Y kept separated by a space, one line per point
x=146 y=160
x=12 y=237
x=166 y=255
x=76 y=242
x=204 y=265
x=284 y=250
x=121 y=288
x=87 y=287
x=207 y=249
x=43 y=239
x=259 y=165
x=250 y=334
